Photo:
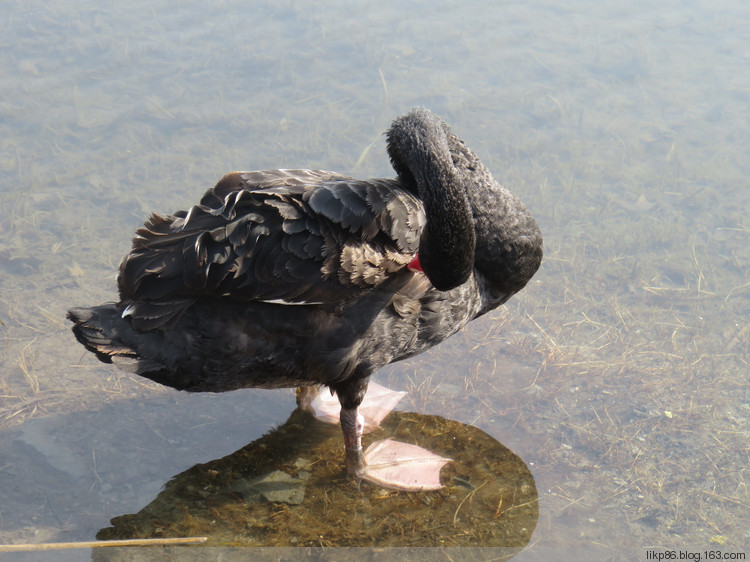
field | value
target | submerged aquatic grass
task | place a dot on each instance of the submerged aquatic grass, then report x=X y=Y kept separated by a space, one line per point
x=619 y=376
x=489 y=501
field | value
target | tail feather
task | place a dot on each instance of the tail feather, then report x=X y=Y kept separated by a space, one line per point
x=113 y=339
x=100 y=330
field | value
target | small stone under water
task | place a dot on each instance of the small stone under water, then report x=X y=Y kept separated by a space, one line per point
x=276 y=486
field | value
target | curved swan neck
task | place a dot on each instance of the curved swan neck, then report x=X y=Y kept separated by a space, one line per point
x=418 y=145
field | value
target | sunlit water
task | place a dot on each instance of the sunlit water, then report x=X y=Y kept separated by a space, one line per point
x=619 y=376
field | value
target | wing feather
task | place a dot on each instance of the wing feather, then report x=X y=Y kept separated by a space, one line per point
x=280 y=235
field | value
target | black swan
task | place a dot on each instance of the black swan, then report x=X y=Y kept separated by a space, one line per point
x=289 y=278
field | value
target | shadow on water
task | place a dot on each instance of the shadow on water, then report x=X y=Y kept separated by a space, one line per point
x=66 y=475
x=288 y=488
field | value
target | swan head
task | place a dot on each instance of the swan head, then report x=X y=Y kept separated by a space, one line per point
x=472 y=221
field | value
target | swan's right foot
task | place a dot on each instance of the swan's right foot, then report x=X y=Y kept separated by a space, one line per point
x=376 y=405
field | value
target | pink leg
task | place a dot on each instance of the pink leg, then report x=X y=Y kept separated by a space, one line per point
x=352 y=425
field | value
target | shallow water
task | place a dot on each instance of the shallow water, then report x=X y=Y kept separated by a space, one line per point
x=619 y=376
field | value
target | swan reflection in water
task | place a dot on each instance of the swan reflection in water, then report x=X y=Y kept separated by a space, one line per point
x=310 y=278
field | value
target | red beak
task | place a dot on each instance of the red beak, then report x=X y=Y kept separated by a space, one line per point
x=414 y=264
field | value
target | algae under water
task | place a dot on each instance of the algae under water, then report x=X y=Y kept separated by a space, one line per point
x=619 y=376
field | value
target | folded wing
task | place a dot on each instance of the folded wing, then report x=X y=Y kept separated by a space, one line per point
x=288 y=236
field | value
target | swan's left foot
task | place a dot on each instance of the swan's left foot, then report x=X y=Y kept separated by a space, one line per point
x=402 y=466
x=397 y=466
x=388 y=463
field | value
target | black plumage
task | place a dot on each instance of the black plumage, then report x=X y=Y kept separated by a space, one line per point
x=299 y=277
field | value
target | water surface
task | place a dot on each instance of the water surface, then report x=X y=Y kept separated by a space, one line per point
x=619 y=376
